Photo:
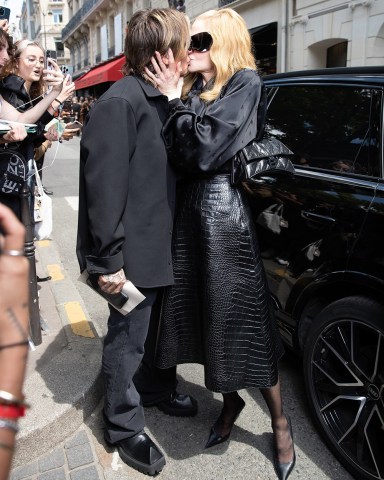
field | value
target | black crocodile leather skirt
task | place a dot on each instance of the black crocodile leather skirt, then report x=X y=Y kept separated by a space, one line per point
x=218 y=313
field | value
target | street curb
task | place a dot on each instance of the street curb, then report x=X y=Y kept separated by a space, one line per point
x=63 y=384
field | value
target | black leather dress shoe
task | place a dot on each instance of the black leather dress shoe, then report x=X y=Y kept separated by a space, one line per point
x=178 y=405
x=141 y=453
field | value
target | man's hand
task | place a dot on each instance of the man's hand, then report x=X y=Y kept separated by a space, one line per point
x=112 y=282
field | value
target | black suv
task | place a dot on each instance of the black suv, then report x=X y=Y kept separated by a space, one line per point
x=321 y=234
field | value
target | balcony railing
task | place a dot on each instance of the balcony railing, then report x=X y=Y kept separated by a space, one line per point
x=76 y=20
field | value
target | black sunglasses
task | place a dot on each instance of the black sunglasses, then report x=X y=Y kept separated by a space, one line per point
x=201 y=42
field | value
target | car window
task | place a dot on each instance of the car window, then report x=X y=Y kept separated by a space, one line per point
x=328 y=127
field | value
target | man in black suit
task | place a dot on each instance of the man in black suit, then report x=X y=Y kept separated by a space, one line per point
x=126 y=209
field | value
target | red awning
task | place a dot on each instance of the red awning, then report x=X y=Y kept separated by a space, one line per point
x=108 y=72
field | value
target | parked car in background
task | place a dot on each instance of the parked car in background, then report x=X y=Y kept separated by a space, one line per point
x=325 y=259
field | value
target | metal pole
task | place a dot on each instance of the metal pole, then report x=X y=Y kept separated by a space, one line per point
x=29 y=248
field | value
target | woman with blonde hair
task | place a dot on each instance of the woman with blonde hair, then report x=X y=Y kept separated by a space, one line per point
x=218 y=312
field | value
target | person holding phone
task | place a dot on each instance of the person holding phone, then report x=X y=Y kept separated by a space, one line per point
x=21 y=84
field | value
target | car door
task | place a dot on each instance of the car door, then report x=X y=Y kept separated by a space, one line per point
x=330 y=129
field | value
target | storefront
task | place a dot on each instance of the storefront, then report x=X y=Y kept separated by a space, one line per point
x=97 y=80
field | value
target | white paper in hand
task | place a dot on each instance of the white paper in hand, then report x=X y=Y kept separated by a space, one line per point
x=134 y=295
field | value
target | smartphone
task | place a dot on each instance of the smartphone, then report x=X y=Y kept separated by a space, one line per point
x=5 y=13
x=50 y=54
x=30 y=127
x=116 y=299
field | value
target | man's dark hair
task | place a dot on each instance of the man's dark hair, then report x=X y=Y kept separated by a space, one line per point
x=154 y=30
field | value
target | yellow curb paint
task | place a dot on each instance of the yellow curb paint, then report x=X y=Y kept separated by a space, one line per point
x=43 y=243
x=77 y=320
x=55 y=272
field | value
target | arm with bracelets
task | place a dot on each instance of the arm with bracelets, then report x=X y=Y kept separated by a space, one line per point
x=14 y=325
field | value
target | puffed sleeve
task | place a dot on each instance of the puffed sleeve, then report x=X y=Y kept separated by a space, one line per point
x=201 y=137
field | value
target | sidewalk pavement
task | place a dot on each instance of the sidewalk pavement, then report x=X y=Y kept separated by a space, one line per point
x=61 y=437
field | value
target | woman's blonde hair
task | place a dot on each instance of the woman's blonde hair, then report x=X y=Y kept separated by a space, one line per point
x=151 y=30
x=37 y=88
x=230 y=52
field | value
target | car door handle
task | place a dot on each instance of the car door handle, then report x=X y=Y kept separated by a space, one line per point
x=317 y=218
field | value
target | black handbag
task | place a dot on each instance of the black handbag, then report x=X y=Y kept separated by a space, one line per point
x=262 y=156
x=12 y=172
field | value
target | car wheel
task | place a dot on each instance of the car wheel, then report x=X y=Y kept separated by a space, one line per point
x=344 y=377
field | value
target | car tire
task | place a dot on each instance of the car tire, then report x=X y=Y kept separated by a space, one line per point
x=344 y=378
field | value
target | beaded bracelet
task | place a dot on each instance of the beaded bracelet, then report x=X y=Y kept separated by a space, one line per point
x=11 y=424
x=7 y=398
x=12 y=411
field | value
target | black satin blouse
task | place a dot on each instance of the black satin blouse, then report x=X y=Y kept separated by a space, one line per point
x=201 y=137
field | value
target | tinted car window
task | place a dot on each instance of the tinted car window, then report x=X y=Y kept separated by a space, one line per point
x=328 y=127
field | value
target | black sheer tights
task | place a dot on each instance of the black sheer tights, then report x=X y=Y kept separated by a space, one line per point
x=232 y=406
x=280 y=426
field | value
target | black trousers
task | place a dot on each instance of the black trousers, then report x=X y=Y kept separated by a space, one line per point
x=154 y=384
x=123 y=351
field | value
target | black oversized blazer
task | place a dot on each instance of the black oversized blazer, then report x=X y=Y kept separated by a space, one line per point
x=127 y=187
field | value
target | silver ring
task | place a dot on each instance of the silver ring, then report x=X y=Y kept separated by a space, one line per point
x=157 y=75
x=13 y=253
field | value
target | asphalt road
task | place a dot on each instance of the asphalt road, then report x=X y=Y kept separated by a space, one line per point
x=248 y=454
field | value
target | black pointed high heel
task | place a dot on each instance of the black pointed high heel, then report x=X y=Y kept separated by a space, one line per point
x=215 y=438
x=283 y=470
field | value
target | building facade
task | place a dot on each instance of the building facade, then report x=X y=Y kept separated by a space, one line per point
x=43 y=21
x=287 y=34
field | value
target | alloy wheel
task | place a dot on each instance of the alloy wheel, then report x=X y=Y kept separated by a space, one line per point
x=345 y=383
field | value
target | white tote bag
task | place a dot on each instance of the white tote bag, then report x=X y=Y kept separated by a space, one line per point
x=42 y=210
x=272 y=218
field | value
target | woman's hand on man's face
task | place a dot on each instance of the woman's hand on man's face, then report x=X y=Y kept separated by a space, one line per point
x=167 y=76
